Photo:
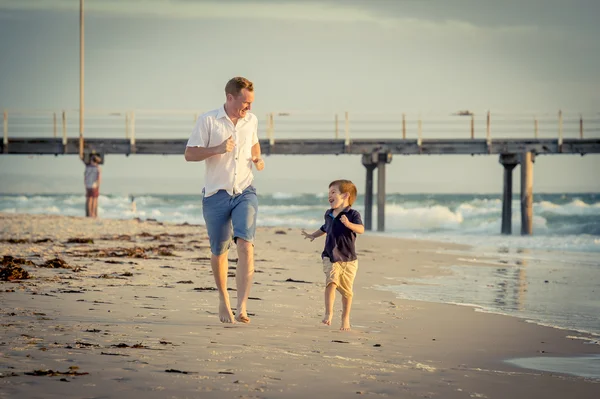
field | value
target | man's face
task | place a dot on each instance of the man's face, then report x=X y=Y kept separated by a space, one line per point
x=240 y=105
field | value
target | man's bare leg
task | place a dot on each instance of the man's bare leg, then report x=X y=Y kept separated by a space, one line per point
x=346 y=305
x=219 y=269
x=243 y=278
x=329 y=299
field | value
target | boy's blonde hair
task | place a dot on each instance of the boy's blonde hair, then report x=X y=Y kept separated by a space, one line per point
x=346 y=186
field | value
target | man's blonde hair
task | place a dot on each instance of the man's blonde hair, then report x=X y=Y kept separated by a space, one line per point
x=346 y=186
x=235 y=86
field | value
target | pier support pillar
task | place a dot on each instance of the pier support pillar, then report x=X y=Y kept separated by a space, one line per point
x=509 y=161
x=382 y=160
x=527 y=160
x=370 y=163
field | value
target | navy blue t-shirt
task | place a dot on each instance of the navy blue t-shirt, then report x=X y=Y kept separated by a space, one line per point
x=339 y=244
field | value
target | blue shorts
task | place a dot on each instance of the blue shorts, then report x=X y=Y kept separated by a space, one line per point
x=230 y=216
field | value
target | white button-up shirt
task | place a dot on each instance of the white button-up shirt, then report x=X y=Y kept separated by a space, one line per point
x=231 y=171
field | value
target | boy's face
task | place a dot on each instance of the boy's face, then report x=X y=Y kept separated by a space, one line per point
x=336 y=198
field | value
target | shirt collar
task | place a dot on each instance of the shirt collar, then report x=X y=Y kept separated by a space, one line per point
x=345 y=210
x=221 y=113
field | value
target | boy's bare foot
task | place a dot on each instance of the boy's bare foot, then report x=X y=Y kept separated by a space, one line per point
x=243 y=318
x=327 y=319
x=345 y=325
x=225 y=314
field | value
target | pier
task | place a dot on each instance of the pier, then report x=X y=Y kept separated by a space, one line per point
x=518 y=141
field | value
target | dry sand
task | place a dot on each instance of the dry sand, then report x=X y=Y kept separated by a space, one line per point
x=143 y=323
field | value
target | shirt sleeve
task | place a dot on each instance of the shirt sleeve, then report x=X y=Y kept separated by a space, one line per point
x=355 y=218
x=200 y=136
x=324 y=227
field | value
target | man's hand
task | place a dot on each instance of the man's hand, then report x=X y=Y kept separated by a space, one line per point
x=309 y=236
x=226 y=146
x=259 y=163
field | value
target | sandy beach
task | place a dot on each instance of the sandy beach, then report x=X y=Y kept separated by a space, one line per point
x=127 y=308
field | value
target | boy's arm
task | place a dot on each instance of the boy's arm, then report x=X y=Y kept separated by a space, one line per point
x=314 y=235
x=355 y=227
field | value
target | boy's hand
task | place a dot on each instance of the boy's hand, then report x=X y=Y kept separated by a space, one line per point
x=344 y=220
x=259 y=163
x=309 y=236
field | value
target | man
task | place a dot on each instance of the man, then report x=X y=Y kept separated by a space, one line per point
x=91 y=179
x=227 y=139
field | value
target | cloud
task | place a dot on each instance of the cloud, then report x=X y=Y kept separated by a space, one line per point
x=199 y=9
x=416 y=16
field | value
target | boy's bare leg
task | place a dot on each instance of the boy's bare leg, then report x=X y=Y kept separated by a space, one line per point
x=243 y=278
x=346 y=305
x=218 y=264
x=329 y=299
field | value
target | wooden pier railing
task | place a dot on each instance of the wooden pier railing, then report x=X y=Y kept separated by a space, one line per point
x=516 y=137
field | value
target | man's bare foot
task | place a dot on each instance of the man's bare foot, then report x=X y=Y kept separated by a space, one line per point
x=243 y=318
x=327 y=319
x=225 y=314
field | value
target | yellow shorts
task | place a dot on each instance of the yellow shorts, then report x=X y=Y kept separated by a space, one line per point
x=341 y=274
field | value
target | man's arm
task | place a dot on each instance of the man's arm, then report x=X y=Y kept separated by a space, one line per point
x=99 y=177
x=256 y=157
x=198 y=154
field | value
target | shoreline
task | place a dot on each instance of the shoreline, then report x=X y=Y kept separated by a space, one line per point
x=397 y=347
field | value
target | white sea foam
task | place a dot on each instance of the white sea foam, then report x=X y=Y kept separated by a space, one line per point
x=564 y=222
x=283 y=195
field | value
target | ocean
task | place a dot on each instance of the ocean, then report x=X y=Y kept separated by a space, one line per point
x=566 y=222
x=551 y=278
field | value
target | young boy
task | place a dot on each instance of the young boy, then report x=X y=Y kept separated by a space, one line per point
x=340 y=263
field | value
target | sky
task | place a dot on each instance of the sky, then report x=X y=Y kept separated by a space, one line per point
x=380 y=58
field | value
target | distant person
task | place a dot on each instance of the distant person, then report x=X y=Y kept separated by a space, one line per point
x=92 y=178
x=340 y=263
x=227 y=139
x=133 y=206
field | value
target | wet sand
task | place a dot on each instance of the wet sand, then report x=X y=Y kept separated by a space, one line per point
x=132 y=312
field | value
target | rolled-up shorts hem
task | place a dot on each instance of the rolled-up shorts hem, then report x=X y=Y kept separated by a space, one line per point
x=221 y=249
x=250 y=240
